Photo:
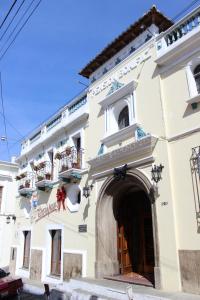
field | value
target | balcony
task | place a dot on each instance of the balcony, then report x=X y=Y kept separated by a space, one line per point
x=26 y=183
x=44 y=175
x=70 y=163
x=76 y=111
x=180 y=39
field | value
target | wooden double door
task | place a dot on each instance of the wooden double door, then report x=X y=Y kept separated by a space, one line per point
x=135 y=235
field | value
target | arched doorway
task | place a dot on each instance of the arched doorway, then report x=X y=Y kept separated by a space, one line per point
x=126 y=235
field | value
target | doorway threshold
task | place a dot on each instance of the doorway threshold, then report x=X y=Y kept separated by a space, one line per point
x=133 y=278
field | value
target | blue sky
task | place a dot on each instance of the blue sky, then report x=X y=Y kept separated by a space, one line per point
x=40 y=70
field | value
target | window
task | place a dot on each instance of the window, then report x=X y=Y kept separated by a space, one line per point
x=27 y=244
x=197 y=77
x=55 y=252
x=123 y=119
x=1 y=194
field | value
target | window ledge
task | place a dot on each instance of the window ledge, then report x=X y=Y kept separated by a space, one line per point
x=194 y=99
x=119 y=136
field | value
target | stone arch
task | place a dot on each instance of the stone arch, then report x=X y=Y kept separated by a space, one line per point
x=106 y=233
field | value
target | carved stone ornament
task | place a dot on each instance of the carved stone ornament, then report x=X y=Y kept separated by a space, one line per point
x=120 y=173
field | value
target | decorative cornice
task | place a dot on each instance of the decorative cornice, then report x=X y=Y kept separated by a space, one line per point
x=141 y=148
x=133 y=164
x=119 y=93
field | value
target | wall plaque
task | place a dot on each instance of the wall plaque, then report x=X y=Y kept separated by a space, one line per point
x=82 y=228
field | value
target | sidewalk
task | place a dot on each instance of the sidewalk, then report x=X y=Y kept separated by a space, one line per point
x=87 y=288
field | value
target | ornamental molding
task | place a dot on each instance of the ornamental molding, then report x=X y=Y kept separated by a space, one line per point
x=119 y=93
x=122 y=72
x=131 y=165
x=132 y=152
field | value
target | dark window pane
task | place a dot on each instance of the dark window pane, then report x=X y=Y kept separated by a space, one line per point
x=123 y=120
x=1 y=194
x=197 y=77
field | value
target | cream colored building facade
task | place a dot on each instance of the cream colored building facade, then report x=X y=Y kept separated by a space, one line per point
x=140 y=111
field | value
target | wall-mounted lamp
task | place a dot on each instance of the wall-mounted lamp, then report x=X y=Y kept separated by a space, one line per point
x=9 y=218
x=86 y=190
x=156 y=172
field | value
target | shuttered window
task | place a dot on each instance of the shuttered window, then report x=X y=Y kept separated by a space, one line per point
x=27 y=245
x=55 y=252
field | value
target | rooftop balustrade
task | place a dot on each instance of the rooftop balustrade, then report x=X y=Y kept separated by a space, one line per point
x=76 y=111
x=178 y=33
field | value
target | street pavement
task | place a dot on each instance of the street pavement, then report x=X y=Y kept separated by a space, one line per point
x=26 y=296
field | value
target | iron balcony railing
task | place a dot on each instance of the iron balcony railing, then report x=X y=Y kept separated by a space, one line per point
x=44 y=171
x=71 y=158
x=25 y=180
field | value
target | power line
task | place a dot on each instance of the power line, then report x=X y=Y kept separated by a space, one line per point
x=12 y=19
x=10 y=35
x=18 y=32
x=11 y=8
x=12 y=125
x=4 y=120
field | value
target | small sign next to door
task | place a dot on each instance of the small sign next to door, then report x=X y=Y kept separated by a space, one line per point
x=82 y=228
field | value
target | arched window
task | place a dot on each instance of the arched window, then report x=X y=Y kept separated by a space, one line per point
x=197 y=77
x=123 y=120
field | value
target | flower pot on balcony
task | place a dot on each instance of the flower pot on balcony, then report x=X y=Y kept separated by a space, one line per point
x=48 y=176
x=27 y=184
x=40 y=178
x=68 y=150
x=64 y=168
x=76 y=165
x=35 y=168
x=18 y=177
x=58 y=155
x=41 y=165
x=21 y=187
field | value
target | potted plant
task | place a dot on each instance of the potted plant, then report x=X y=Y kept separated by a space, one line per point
x=58 y=155
x=64 y=168
x=23 y=175
x=68 y=150
x=35 y=168
x=18 y=177
x=40 y=178
x=27 y=183
x=41 y=165
x=48 y=176
x=21 y=186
